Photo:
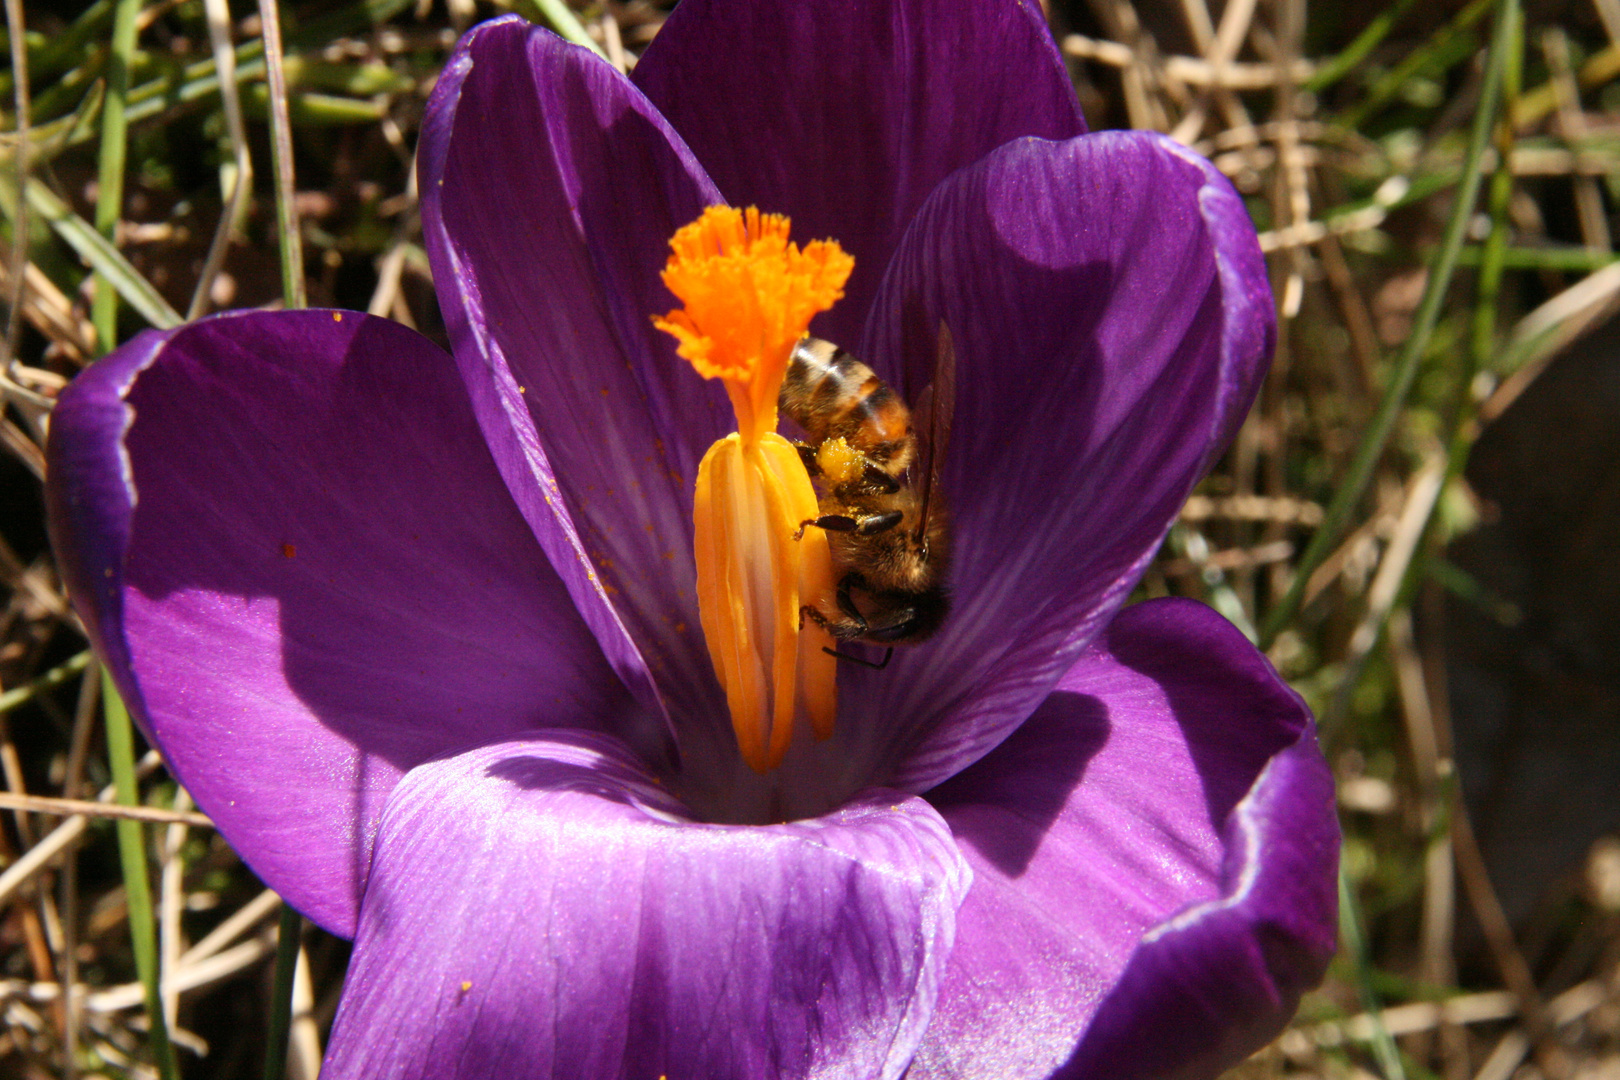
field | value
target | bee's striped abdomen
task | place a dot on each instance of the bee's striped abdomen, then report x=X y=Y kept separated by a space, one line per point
x=832 y=395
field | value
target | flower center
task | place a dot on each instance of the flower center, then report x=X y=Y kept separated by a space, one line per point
x=749 y=295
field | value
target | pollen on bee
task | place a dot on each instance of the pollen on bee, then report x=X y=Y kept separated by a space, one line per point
x=839 y=462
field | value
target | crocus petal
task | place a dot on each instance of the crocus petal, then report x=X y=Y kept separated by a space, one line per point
x=1154 y=859
x=540 y=907
x=551 y=189
x=845 y=115
x=289 y=542
x=1112 y=320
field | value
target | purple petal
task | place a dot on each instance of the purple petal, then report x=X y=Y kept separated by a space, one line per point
x=551 y=189
x=845 y=116
x=289 y=541
x=1154 y=859
x=1112 y=321
x=540 y=907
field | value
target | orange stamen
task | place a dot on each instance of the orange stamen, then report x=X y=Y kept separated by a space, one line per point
x=749 y=295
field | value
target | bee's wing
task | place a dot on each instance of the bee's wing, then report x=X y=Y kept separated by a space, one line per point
x=938 y=405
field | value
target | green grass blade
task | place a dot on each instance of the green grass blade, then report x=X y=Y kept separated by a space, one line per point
x=1560 y=259
x=289 y=234
x=1467 y=361
x=132 y=853
x=1390 y=85
x=103 y=258
x=18 y=696
x=314 y=110
x=557 y=15
x=50 y=138
x=1599 y=69
x=200 y=81
x=66 y=49
x=1376 y=437
x=110 y=171
x=72 y=88
x=1469 y=589
x=363 y=79
x=1355 y=944
x=1379 y=28
x=291 y=930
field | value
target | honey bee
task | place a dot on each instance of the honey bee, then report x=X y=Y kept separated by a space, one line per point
x=884 y=518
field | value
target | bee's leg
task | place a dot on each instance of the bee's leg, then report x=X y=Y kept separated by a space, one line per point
x=865 y=525
x=872 y=524
x=877 y=481
x=829 y=522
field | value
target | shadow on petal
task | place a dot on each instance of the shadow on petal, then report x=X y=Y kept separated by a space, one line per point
x=1164 y=918
x=1041 y=769
x=325 y=583
x=1227 y=756
x=551 y=189
x=1103 y=352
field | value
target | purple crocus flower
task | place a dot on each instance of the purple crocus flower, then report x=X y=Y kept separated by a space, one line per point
x=420 y=633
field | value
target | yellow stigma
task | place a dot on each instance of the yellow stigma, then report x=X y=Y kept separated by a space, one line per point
x=749 y=295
